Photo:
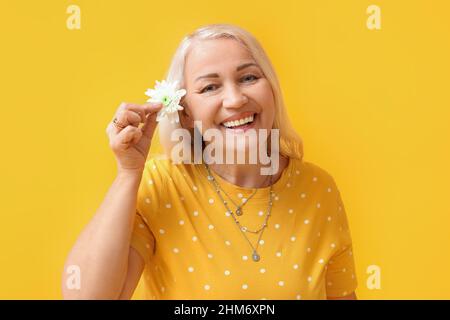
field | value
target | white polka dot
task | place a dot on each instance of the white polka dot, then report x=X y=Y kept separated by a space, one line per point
x=210 y=227
x=228 y=243
x=329 y=218
x=308 y=249
x=240 y=195
x=290 y=210
x=228 y=213
x=295 y=266
x=277 y=198
x=262 y=270
x=329 y=189
x=306 y=221
x=288 y=185
x=244 y=286
x=227 y=272
x=154 y=167
x=162 y=231
x=303 y=195
x=168 y=206
x=343 y=270
x=211 y=200
x=194 y=188
x=261 y=242
x=314 y=179
x=321 y=261
x=277 y=226
x=281 y=283
x=261 y=213
x=176 y=250
x=210 y=178
x=210 y=255
x=298 y=297
x=318 y=205
x=333 y=245
x=150 y=181
x=141 y=225
x=293 y=238
x=194 y=238
x=195 y=213
x=244 y=200
x=191 y=269
x=207 y=287
x=181 y=222
x=245 y=258
x=309 y=279
x=147 y=200
x=278 y=254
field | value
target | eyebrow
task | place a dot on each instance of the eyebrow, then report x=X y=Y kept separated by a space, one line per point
x=215 y=75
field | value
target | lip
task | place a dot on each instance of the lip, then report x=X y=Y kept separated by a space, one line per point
x=241 y=129
x=239 y=116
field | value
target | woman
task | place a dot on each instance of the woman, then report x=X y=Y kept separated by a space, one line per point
x=216 y=230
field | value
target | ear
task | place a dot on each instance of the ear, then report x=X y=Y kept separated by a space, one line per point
x=185 y=115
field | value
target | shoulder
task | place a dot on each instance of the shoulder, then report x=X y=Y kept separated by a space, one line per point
x=314 y=172
x=163 y=167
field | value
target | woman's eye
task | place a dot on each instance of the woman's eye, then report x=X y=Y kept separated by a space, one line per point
x=205 y=89
x=249 y=77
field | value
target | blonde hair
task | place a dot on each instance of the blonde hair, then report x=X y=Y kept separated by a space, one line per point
x=291 y=145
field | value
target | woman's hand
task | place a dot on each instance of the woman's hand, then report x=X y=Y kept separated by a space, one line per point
x=129 y=141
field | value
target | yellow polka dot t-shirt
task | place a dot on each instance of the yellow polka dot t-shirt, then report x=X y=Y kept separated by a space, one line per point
x=193 y=249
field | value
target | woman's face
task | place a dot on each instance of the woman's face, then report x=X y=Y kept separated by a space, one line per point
x=223 y=83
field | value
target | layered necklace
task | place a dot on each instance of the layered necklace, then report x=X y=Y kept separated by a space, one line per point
x=255 y=255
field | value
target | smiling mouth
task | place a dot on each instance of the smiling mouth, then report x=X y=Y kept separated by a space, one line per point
x=249 y=121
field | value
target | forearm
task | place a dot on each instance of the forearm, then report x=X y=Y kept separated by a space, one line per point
x=101 y=251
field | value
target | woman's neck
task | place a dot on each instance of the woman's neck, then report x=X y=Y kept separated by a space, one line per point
x=248 y=175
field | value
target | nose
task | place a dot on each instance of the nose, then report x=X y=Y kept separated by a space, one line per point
x=234 y=97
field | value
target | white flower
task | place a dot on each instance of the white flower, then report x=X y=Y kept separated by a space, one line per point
x=167 y=93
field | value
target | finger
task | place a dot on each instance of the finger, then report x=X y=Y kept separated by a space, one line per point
x=152 y=107
x=149 y=125
x=126 y=137
x=139 y=109
x=146 y=108
x=137 y=136
x=119 y=142
x=128 y=117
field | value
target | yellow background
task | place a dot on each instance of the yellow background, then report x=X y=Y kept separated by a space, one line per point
x=371 y=105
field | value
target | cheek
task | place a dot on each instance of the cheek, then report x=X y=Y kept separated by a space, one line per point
x=203 y=110
x=265 y=99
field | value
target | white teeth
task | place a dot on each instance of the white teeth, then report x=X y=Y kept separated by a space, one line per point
x=240 y=122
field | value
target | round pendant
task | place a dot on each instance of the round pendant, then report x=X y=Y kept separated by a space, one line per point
x=255 y=257
x=239 y=212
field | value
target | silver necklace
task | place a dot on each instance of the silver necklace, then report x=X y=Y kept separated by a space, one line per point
x=255 y=255
x=239 y=207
